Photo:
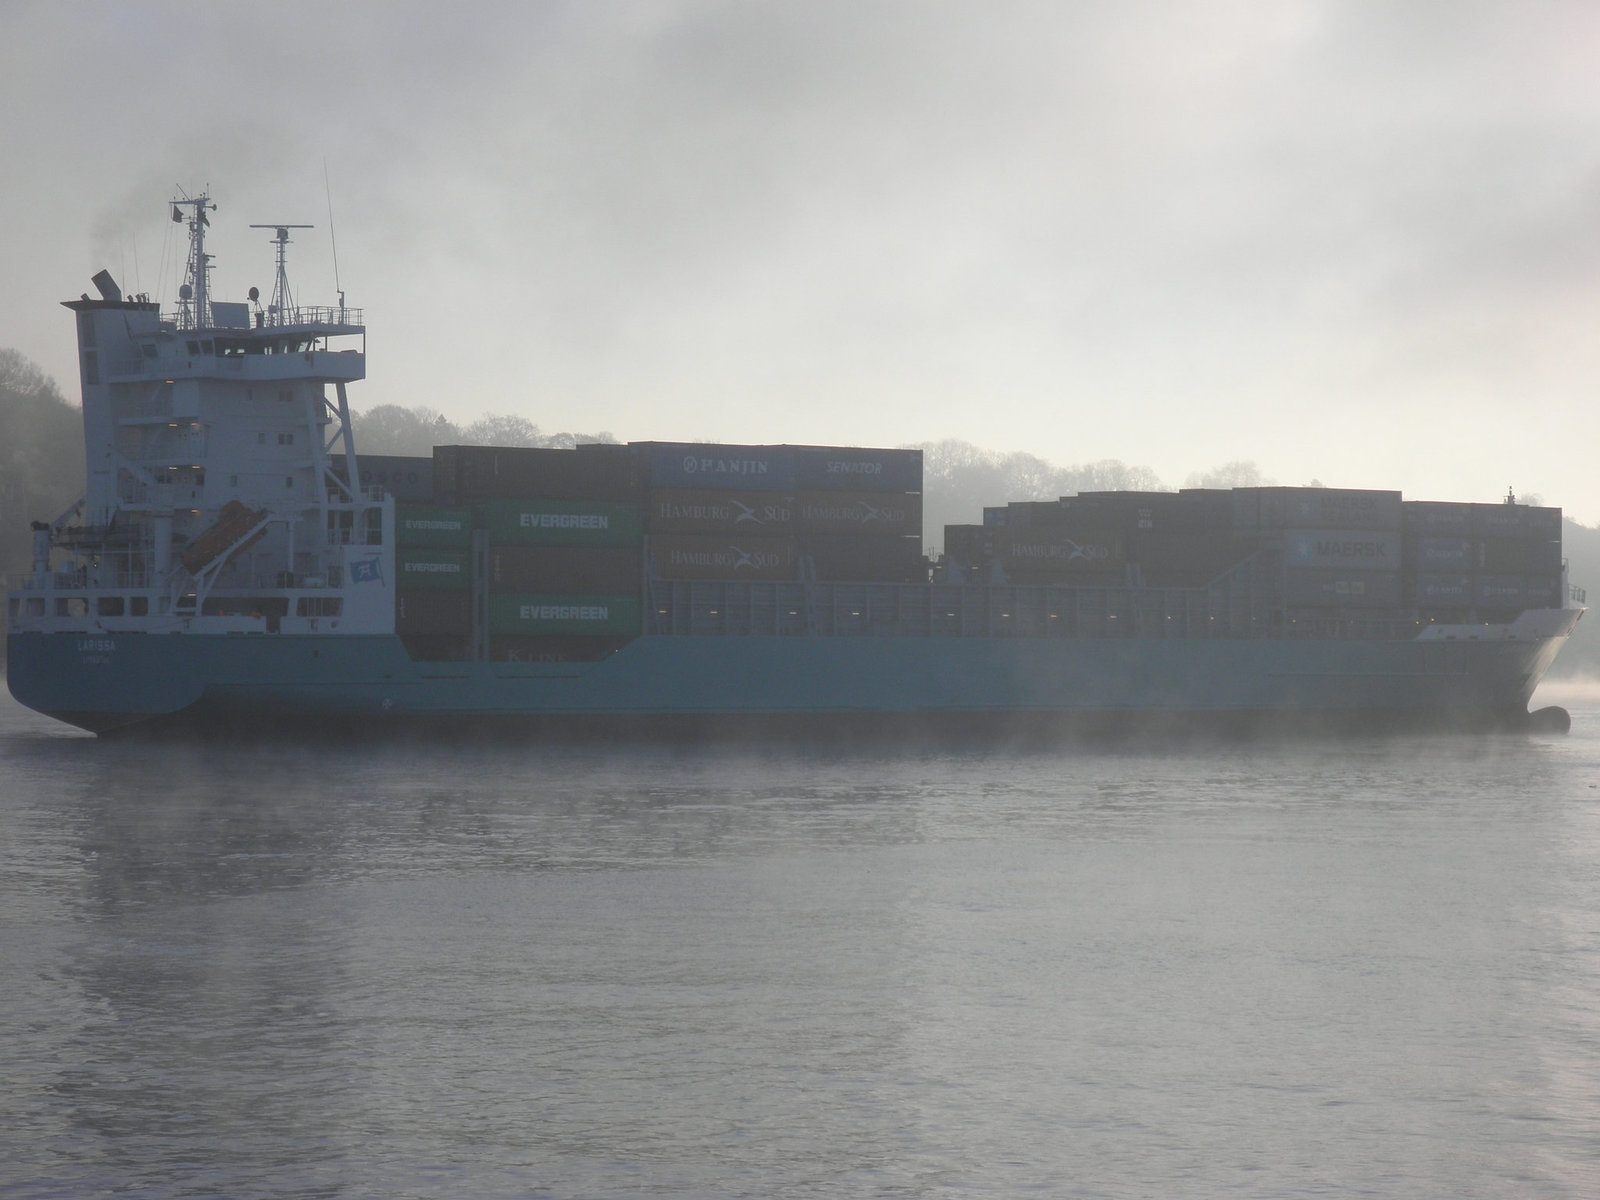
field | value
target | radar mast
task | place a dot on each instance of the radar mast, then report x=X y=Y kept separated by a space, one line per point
x=281 y=307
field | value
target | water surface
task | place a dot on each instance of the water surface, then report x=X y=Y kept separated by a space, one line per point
x=1353 y=967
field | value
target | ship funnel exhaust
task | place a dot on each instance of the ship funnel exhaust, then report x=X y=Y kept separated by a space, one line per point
x=108 y=287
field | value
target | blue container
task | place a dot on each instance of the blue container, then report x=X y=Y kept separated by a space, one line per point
x=857 y=469
x=692 y=465
x=1445 y=591
x=1446 y=554
x=1434 y=518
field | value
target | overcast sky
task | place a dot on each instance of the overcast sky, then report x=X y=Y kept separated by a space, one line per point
x=1356 y=242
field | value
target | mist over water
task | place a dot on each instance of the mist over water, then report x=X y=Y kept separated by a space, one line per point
x=1353 y=966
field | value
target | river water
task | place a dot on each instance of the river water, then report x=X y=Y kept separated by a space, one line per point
x=1362 y=966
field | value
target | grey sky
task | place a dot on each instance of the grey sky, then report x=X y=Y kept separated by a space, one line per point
x=1356 y=242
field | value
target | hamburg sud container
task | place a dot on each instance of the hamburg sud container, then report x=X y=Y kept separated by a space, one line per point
x=685 y=556
x=467 y=474
x=1055 y=556
x=415 y=526
x=532 y=614
x=541 y=522
x=874 y=513
x=709 y=511
x=1315 y=508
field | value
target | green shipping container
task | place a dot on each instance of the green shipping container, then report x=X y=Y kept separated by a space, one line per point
x=546 y=614
x=432 y=526
x=561 y=522
x=433 y=570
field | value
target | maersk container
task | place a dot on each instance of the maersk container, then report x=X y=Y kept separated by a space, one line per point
x=740 y=468
x=566 y=569
x=857 y=469
x=1325 y=588
x=685 y=556
x=432 y=526
x=1433 y=518
x=539 y=614
x=871 y=513
x=1316 y=508
x=1514 y=556
x=538 y=522
x=1363 y=550
x=1444 y=589
x=1442 y=554
x=864 y=558
x=468 y=474
x=433 y=612
x=709 y=511
x=433 y=570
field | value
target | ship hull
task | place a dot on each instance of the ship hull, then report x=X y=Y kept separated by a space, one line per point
x=696 y=684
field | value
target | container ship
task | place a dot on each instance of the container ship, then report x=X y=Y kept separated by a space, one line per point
x=236 y=562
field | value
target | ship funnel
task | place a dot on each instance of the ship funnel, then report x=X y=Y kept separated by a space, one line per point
x=108 y=287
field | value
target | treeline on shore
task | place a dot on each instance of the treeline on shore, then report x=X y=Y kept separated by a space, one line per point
x=42 y=473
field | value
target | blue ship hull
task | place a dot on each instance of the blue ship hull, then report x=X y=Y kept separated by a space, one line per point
x=121 y=679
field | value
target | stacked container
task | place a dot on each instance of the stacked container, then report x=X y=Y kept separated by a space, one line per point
x=1341 y=546
x=563 y=576
x=408 y=479
x=1165 y=539
x=433 y=580
x=771 y=513
x=469 y=474
x=1499 y=558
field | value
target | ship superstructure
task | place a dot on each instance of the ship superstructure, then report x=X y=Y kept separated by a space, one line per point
x=223 y=491
x=235 y=559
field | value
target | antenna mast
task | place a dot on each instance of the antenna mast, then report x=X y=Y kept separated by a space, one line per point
x=282 y=305
x=194 y=297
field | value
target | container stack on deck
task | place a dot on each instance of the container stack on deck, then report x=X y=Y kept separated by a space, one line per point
x=1340 y=546
x=1329 y=549
x=540 y=555
x=1488 y=558
x=561 y=539
x=778 y=513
